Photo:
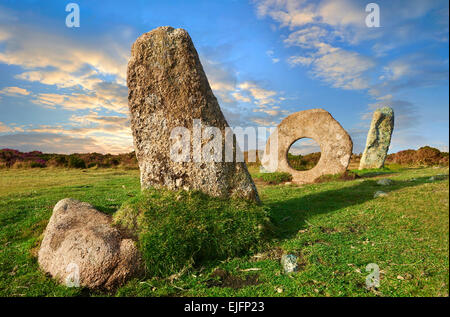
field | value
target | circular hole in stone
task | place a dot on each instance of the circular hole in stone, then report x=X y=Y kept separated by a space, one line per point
x=303 y=154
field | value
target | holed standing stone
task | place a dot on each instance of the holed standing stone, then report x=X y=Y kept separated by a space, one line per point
x=318 y=124
x=378 y=139
x=167 y=89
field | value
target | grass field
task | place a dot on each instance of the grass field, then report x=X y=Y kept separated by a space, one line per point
x=336 y=229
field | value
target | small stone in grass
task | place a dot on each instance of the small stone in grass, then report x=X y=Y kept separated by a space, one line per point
x=437 y=177
x=385 y=181
x=380 y=194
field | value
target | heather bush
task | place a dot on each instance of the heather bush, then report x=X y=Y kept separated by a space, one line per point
x=37 y=163
x=425 y=156
x=76 y=162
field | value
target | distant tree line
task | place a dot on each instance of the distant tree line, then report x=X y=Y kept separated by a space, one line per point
x=10 y=158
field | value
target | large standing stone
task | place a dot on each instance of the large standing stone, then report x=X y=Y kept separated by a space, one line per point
x=378 y=139
x=317 y=124
x=168 y=88
x=81 y=247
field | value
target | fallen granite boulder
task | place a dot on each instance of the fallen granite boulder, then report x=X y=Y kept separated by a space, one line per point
x=81 y=248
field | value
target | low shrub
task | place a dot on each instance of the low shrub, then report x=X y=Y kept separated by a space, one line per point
x=58 y=160
x=428 y=156
x=179 y=229
x=76 y=162
x=275 y=178
x=37 y=163
x=425 y=156
x=20 y=164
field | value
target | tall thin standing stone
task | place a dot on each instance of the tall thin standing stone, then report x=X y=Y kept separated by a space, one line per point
x=378 y=139
x=168 y=89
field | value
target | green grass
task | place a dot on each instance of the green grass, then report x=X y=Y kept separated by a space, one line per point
x=335 y=228
x=180 y=230
x=388 y=169
x=274 y=178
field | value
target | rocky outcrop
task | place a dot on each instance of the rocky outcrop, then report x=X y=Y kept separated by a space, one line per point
x=317 y=124
x=81 y=248
x=378 y=139
x=168 y=89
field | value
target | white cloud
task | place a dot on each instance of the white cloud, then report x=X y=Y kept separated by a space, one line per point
x=221 y=78
x=264 y=122
x=240 y=97
x=307 y=37
x=304 y=146
x=411 y=72
x=85 y=133
x=339 y=67
x=31 y=48
x=271 y=54
x=345 y=17
x=290 y=13
x=62 y=79
x=271 y=112
x=55 y=60
x=261 y=95
x=336 y=66
x=104 y=95
x=318 y=27
x=300 y=60
x=14 y=91
x=4 y=128
x=343 y=69
x=342 y=13
x=4 y=35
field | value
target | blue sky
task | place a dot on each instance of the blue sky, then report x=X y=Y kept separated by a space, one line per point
x=63 y=89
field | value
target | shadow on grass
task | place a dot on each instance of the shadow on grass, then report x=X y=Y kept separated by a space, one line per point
x=291 y=215
x=375 y=174
x=367 y=173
